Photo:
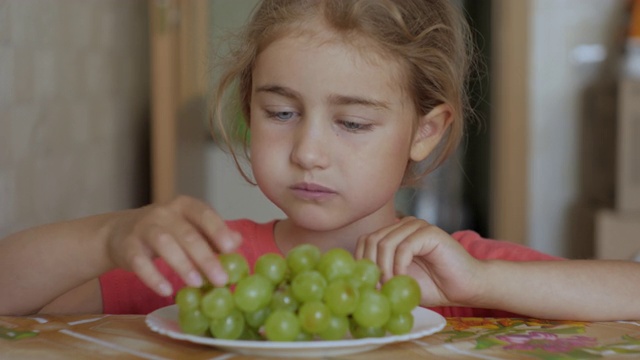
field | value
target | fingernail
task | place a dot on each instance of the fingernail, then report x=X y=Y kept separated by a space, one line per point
x=219 y=278
x=234 y=240
x=194 y=279
x=165 y=289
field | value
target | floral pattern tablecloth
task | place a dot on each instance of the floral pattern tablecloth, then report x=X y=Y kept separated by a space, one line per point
x=127 y=337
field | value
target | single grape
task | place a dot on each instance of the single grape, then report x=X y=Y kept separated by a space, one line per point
x=403 y=293
x=235 y=265
x=282 y=325
x=302 y=258
x=283 y=299
x=304 y=336
x=229 y=327
x=193 y=321
x=252 y=293
x=341 y=296
x=360 y=332
x=255 y=319
x=366 y=273
x=336 y=330
x=400 y=324
x=250 y=334
x=217 y=303
x=272 y=266
x=188 y=298
x=308 y=286
x=314 y=317
x=336 y=263
x=373 y=309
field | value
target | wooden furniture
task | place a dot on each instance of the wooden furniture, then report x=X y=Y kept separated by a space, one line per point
x=127 y=337
x=178 y=40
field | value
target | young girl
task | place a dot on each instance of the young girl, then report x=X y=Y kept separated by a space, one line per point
x=346 y=101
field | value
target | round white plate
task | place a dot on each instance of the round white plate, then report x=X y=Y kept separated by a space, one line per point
x=165 y=321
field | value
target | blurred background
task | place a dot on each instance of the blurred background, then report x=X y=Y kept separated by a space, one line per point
x=104 y=105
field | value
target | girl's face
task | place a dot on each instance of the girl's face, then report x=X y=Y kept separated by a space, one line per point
x=331 y=131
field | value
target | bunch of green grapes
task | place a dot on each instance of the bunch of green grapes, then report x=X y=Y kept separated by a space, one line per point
x=306 y=296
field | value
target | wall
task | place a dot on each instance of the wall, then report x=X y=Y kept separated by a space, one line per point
x=565 y=79
x=73 y=109
x=553 y=118
x=226 y=190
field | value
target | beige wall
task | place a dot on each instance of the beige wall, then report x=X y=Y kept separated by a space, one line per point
x=553 y=112
x=73 y=109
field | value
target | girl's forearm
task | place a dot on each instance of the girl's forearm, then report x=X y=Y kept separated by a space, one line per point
x=589 y=290
x=40 y=264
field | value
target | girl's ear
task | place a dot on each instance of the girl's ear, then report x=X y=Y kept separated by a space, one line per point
x=430 y=129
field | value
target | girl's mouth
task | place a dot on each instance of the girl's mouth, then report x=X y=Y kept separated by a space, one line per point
x=310 y=191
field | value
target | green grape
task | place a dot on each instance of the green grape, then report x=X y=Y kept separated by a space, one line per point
x=337 y=329
x=193 y=321
x=314 y=317
x=252 y=293
x=229 y=327
x=235 y=265
x=360 y=332
x=308 y=286
x=341 y=296
x=255 y=319
x=400 y=324
x=272 y=266
x=304 y=336
x=373 y=309
x=217 y=303
x=282 y=325
x=302 y=258
x=336 y=263
x=403 y=293
x=250 y=334
x=283 y=299
x=366 y=273
x=188 y=298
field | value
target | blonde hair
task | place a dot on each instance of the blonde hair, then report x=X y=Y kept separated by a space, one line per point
x=430 y=38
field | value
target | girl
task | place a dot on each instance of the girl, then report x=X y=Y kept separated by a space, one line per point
x=347 y=101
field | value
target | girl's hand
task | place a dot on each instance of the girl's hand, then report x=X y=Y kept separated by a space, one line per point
x=185 y=232
x=447 y=274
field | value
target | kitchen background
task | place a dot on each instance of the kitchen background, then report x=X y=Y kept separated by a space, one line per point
x=81 y=105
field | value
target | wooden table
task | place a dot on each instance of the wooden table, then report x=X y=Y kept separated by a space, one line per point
x=128 y=337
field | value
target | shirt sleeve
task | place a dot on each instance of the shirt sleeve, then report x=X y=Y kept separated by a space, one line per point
x=487 y=249
x=124 y=293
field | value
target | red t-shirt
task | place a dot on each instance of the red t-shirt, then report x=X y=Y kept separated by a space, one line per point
x=124 y=293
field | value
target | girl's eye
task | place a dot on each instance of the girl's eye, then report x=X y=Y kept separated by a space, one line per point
x=281 y=115
x=354 y=126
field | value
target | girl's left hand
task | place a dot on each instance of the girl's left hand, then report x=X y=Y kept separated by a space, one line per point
x=447 y=274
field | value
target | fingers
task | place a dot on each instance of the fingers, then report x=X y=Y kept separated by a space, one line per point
x=210 y=224
x=177 y=255
x=147 y=272
x=394 y=247
x=186 y=233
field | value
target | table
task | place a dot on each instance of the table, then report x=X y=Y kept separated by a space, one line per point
x=127 y=337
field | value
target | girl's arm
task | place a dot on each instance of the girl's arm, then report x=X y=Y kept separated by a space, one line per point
x=40 y=264
x=573 y=289
x=587 y=290
x=54 y=268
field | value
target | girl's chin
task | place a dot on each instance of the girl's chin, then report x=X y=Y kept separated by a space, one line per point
x=317 y=222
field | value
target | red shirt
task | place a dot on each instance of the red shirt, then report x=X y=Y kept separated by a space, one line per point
x=124 y=293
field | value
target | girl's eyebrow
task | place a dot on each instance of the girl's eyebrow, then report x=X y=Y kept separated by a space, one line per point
x=357 y=100
x=334 y=99
x=279 y=90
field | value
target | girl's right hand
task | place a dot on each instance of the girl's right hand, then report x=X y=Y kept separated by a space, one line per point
x=187 y=233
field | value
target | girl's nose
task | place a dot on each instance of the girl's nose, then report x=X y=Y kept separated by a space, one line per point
x=310 y=148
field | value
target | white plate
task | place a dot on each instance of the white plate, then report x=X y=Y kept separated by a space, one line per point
x=165 y=321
